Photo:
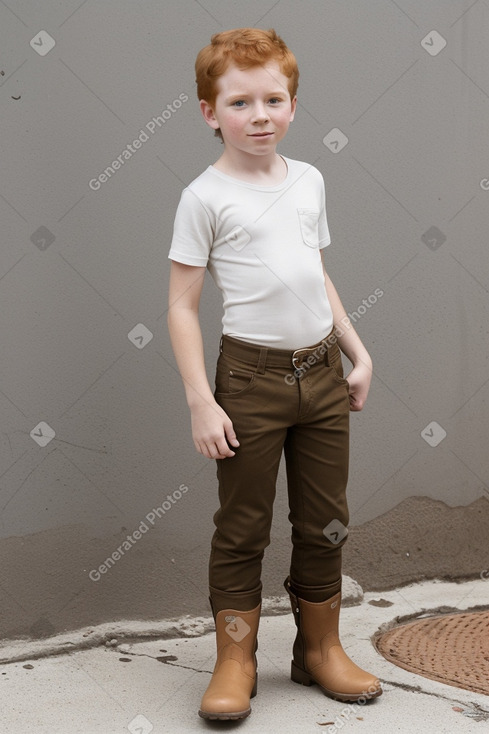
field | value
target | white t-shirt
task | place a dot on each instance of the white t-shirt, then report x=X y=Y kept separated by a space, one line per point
x=261 y=245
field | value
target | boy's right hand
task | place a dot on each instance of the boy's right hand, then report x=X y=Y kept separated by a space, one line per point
x=210 y=428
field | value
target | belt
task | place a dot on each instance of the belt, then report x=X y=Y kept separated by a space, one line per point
x=260 y=356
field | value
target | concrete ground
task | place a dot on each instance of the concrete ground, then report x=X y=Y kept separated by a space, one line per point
x=156 y=685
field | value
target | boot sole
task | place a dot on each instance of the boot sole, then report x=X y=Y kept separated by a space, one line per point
x=298 y=675
x=230 y=715
x=225 y=716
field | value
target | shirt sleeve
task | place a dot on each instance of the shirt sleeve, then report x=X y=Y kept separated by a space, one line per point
x=323 y=231
x=193 y=233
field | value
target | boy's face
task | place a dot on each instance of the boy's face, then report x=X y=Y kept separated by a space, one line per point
x=253 y=108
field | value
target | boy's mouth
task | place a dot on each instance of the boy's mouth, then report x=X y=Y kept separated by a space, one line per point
x=260 y=135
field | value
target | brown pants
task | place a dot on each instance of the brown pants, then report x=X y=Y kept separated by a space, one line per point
x=302 y=408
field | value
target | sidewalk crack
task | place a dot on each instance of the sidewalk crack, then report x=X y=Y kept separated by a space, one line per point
x=478 y=713
x=166 y=659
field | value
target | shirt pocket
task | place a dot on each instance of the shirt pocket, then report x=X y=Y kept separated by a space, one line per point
x=309 y=223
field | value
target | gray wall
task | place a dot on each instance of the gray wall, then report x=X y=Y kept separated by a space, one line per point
x=95 y=428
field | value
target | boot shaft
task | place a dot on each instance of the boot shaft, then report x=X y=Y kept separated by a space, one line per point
x=237 y=637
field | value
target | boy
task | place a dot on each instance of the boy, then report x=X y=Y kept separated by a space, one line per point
x=257 y=220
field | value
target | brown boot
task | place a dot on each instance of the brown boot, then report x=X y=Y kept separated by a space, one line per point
x=234 y=678
x=318 y=654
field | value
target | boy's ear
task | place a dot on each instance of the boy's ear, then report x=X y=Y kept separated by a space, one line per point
x=208 y=114
x=293 y=106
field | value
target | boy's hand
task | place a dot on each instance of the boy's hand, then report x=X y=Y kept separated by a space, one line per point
x=359 y=380
x=210 y=428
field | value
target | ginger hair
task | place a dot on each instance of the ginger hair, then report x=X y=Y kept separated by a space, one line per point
x=246 y=48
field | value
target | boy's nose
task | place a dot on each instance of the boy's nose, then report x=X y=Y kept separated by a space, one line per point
x=259 y=114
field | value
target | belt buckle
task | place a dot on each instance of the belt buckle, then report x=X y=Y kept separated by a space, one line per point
x=295 y=356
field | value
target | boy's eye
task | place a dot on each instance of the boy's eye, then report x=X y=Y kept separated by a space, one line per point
x=241 y=102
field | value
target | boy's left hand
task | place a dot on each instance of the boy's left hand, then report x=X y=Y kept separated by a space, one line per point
x=359 y=380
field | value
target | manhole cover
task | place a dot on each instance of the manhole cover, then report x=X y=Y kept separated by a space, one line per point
x=452 y=649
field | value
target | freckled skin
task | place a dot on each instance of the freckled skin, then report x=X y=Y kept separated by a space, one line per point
x=250 y=101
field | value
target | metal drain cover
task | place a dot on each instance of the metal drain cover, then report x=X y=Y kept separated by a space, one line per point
x=451 y=649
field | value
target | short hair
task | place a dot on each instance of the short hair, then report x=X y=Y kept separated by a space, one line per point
x=246 y=48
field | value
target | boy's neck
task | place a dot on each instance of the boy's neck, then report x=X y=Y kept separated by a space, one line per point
x=268 y=170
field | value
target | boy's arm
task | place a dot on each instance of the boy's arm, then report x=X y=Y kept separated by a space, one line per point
x=210 y=424
x=350 y=343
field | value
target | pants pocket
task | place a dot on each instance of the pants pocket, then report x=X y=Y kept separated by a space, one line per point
x=233 y=380
x=334 y=359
